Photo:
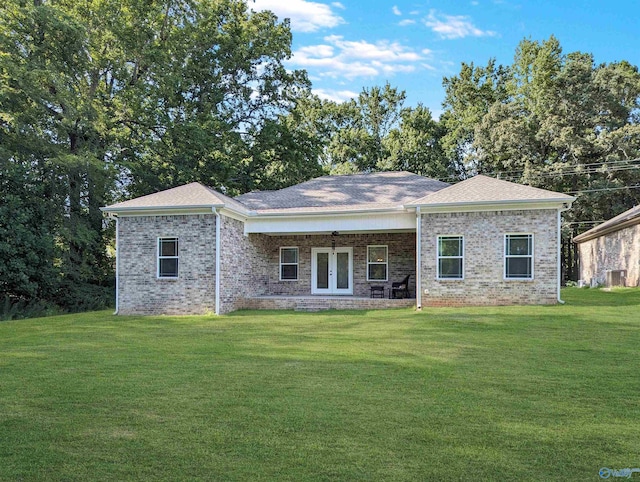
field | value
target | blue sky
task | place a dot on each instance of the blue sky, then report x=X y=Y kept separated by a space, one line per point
x=348 y=44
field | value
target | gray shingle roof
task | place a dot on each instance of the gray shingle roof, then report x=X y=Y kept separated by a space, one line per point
x=356 y=192
x=484 y=189
x=189 y=195
x=349 y=192
x=629 y=217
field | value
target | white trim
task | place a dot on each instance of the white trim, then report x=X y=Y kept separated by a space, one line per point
x=438 y=257
x=332 y=279
x=281 y=264
x=532 y=256
x=567 y=199
x=418 y=259
x=117 y=266
x=386 y=262
x=218 y=257
x=559 y=241
x=326 y=224
x=324 y=212
x=492 y=206
x=159 y=257
x=233 y=214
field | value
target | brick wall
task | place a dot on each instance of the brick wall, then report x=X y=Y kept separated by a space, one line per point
x=243 y=265
x=613 y=251
x=484 y=282
x=140 y=291
x=401 y=254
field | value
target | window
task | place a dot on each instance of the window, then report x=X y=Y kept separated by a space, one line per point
x=288 y=264
x=377 y=263
x=450 y=257
x=518 y=256
x=167 y=257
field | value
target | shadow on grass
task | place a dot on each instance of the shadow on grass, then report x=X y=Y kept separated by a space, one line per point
x=601 y=296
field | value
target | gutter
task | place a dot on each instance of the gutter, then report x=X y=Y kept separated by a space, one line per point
x=215 y=211
x=111 y=215
x=599 y=231
x=418 y=259
x=493 y=203
x=124 y=209
x=565 y=207
x=393 y=210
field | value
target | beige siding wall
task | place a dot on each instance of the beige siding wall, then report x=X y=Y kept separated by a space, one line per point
x=140 y=290
x=484 y=282
x=613 y=251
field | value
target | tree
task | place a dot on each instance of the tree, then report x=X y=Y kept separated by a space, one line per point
x=106 y=98
x=556 y=121
x=416 y=146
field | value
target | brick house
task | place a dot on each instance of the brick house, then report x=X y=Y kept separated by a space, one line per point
x=339 y=242
x=611 y=246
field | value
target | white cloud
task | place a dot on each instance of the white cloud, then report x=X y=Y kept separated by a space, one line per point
x=454 y=26
x=406 y=21
x=305 y=16
x=396 y=10
x=338 y=5
x=317 y=50
x=340 y=58
x=335 y=95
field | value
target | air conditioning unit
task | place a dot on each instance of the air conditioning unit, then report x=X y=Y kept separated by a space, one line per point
x=616 y=277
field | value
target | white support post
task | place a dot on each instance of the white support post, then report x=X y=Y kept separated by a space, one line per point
x=418 y=259
x=117 y=263
x=217 y=260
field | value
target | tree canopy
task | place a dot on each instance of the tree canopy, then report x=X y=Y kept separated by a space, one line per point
x=551 y=120
x=102 y=100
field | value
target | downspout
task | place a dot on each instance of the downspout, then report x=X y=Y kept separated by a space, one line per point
x=117 y=263
x=418 y=259
x=560 y=253
x=217 y=260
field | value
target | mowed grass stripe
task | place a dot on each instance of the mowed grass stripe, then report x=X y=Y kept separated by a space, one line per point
x=496 y=393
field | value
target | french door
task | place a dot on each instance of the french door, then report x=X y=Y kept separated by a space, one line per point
x=332 y=271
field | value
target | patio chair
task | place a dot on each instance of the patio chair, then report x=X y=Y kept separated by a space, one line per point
x=400 y=289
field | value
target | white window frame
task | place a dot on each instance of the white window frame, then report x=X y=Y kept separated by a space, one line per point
x=439 y=257
x=386 y=263
x=160 y=257
x=533 y=250
x=296 y=264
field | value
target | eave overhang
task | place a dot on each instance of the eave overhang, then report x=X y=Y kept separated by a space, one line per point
x=592 y=234
x=503 y=205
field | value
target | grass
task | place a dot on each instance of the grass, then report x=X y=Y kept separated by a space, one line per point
x=504 y=393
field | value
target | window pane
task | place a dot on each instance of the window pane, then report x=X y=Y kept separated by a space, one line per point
x=518 y=267
x=169 y=268
x=342 y=279
x=450 y=267
x=519 y=245
x=450 y=246
x=322 y=276
x=378 y=272
x=289 y=255
x=289 y=271
x=377 y=254
x=169 y=247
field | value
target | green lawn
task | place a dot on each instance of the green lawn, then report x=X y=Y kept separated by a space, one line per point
x=505 y=393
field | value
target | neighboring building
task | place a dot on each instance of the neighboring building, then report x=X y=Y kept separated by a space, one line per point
x=327 y=242
x=611 y=250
